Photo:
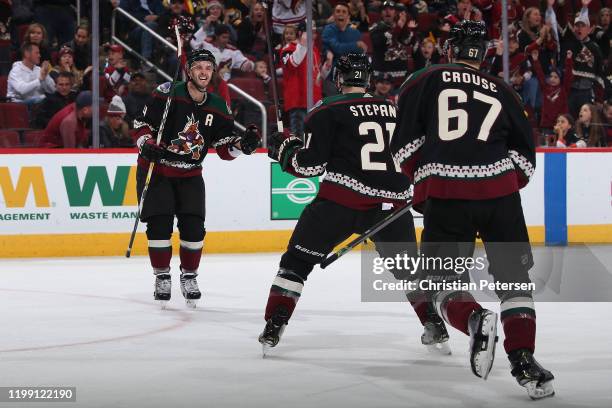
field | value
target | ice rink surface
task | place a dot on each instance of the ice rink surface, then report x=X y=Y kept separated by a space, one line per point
x=92 y=323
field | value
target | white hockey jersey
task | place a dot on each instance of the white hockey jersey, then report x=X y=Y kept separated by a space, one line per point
x=230 y=57
x=287 y=12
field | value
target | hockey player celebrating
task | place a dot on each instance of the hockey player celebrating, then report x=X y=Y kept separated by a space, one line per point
x=468 y=158
x=348 y=136
x=197 y=121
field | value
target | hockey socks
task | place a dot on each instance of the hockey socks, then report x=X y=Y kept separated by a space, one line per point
x=421 y=305
x=190 y=254
x=519 y=321
x=285 y=291
x=455 y=308
x=160 y=253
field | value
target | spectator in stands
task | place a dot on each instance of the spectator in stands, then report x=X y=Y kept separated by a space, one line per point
x=563 y=133
x=68 y=127
x=515 y=11
x=608 y=116
x=465 y=11
x=28 y=82
x=287 y=12
x=390 y=42
x=588 y=60
x=359 y=15
x=147 y=12
x=520 y=70
x=56 y=101
x=36 y=34
x=213 y=18
x=58 y=17
x=114 y=131
x=242 y=6
x=66 y=64
x=261 y=71
x=138 y=96
x=5 y=17
x=22 y=13
x=589 y=127
x=81 y=47
x=251 y=33
x=340 y=37
x=383 y=86
x=294 y=61
x=167 y=21
x=602 y=34
x=116 y=72
x=555 y=93
x=535 y=35
x=290 y=33
x=426 y=54
x=227 y=56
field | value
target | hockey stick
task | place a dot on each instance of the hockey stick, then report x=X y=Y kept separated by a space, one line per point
x=268 y=29
x=373 y=230
x=160 y=132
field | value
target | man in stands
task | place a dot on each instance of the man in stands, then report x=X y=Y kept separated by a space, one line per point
x=68 y=127
x=28 y=82
x=226 y=55
x=137 y=97
x=81 y=47
x=55 y=102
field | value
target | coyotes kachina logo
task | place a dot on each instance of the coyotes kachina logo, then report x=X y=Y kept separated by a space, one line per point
x=189 y=140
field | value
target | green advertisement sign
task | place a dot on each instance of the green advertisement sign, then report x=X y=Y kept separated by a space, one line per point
x=289 y=195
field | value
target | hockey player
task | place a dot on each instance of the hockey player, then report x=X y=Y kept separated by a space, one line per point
x=463 y=138
x=197 y=121
x=347 y=136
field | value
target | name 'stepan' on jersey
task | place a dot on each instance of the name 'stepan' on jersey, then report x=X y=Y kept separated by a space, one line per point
x=385 y=110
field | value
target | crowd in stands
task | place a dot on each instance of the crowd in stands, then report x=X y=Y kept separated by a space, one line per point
x=560 y=62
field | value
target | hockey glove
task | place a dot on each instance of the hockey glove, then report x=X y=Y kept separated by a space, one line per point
x=152 y=151
x=250 y=139
x=282 y=146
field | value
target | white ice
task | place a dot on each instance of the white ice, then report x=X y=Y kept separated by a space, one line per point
x=92 y=323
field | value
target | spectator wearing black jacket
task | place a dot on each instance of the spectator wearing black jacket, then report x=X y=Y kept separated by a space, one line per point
x=55 y=102
x=391 y=37
x=251 y=33
x=81 y=46
x=137 y=97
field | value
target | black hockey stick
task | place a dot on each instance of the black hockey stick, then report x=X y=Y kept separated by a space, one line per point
x=269 y=30
x=373 y=230
x=143 y=195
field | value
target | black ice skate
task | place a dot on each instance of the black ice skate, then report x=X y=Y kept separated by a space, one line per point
x=189 y=287
x=163 y=287
x=435 y=336
x=274 y=329
x=482 y=326
x=531 y=375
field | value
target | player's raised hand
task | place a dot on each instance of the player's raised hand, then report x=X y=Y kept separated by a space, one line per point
x=250 y=139
x=282 y=145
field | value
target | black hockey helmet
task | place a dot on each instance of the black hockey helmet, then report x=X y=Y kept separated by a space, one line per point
x=353 y=70
x=468 y=40
x=201 y=55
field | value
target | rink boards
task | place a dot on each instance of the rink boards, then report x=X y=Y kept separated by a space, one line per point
x=83 y=202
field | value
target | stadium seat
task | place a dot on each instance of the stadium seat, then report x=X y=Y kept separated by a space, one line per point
x=255 y=88
x=374 y=17
x=3 y=86
x=9 y=138
x=427 y=22
x=32 y=138
x=21 y=31
x=15 y=115
x=365 y=37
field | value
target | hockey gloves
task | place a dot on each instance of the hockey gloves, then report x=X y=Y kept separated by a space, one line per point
x=151 y=151
x=250 y=139
x=282 y=146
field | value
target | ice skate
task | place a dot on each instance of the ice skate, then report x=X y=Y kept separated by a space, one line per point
x=528 y=373
x=274 y=329
x=482 y=326
x=435 y=336
x=189 y=287
x=163 y=288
